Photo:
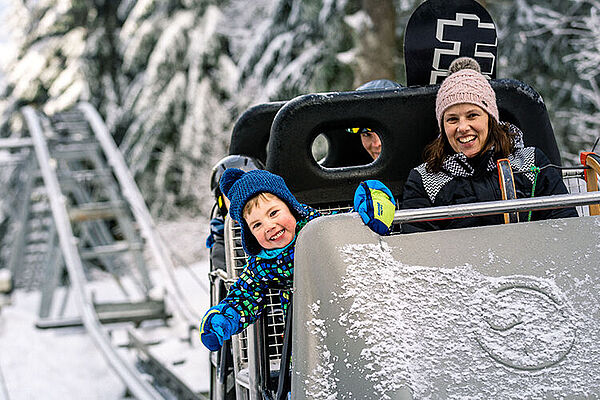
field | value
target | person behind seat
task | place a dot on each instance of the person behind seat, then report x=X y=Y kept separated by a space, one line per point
x=270 y=218
x=215 y=240
x=460 y=164
x=370 y=140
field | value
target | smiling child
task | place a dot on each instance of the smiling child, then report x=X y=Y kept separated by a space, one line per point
x=270 y=218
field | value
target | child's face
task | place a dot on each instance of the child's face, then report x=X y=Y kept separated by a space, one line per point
x=272 y=223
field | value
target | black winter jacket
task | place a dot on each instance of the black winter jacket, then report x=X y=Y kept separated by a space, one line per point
x=464 y=180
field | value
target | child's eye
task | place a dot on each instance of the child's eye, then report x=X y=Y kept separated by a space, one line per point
x=256 y=226
x=273 y=213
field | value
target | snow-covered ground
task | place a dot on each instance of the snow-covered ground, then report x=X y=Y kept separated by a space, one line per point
x=65 y=363
x=50 y=364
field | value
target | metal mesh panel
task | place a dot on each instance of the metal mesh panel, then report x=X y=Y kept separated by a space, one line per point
x=239 y=262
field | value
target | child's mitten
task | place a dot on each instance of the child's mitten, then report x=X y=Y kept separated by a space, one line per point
x=375 y=205
x=218 y=324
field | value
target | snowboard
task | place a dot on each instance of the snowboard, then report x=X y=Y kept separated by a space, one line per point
x=440 y=31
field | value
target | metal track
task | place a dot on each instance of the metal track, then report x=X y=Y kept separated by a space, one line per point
x=139 y=209
x=84 y=121
x=138 y=386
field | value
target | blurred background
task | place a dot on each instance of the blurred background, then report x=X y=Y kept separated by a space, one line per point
x=170 y=77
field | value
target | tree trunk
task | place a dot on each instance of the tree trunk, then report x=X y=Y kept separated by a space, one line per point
x=376 y=47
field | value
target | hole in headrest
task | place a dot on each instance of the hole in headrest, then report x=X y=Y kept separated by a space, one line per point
x=346 y=147
x=320 y=148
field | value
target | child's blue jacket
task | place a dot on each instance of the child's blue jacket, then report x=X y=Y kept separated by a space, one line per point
x=249 y=294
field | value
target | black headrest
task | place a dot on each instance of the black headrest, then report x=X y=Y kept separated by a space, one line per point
x=252 y=129
x=520 y=104
x=405 y=121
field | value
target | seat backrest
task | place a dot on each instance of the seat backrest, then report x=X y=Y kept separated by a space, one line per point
x=252 y=129
x=405 y=121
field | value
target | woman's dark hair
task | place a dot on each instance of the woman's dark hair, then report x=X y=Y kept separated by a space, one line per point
x=499 y=136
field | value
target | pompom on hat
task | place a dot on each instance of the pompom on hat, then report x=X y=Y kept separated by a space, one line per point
x=465 y=84
x=229 y=178
x=240 y=186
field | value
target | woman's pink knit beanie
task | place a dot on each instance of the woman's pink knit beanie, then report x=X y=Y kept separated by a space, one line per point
x=465 y=84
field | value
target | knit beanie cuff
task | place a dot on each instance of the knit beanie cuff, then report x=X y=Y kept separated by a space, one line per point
x=240 y=186
x=466 y=86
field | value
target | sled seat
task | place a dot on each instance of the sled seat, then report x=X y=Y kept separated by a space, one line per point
x=282 y=135
x=251 y=131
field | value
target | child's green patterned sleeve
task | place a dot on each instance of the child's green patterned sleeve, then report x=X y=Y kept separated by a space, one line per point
x=248 y=296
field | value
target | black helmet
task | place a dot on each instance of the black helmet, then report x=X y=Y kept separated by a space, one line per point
x=379 y=84
x=244 y=163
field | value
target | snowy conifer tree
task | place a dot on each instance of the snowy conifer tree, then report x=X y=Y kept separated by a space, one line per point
x=171 y=77
x=553 y=46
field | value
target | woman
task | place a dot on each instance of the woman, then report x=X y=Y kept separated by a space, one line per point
x=460 y=165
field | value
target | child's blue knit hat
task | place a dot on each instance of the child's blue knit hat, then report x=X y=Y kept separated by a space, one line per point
x=240 y=186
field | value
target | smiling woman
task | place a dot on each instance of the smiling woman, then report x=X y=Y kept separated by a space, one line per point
x=460 y=164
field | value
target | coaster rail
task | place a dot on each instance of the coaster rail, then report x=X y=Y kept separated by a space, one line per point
x=140 y=388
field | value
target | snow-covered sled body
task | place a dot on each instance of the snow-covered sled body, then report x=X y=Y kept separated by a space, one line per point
x=498 y=281
x=508 y=311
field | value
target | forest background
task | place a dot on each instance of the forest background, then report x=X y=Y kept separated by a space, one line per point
x=170 y=77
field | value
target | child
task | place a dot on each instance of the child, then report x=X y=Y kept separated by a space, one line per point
x=270 y=218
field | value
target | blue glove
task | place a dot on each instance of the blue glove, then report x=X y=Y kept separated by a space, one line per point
x=375 y=205
x=218 y=324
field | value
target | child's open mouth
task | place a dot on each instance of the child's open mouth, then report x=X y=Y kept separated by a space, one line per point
x=277 y=235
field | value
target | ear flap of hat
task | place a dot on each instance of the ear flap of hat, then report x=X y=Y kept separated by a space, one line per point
x=229 y=177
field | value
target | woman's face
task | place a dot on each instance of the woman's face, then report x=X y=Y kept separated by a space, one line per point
x=371 y=143
x=466 y=127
